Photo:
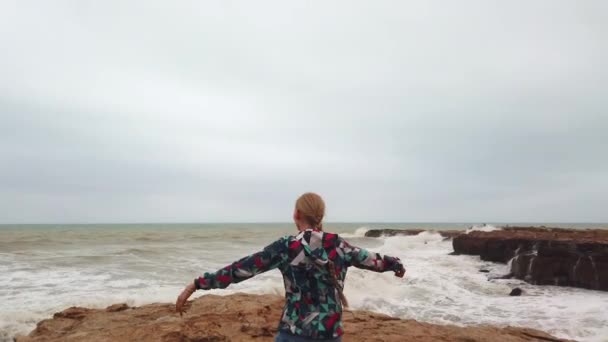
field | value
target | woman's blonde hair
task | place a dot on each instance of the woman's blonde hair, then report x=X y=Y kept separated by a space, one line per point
x=312 y=208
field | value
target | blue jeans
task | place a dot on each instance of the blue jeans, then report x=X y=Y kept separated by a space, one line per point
x=285 y=337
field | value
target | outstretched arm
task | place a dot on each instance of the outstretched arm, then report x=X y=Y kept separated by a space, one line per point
x=362 y=258
x=270 y=257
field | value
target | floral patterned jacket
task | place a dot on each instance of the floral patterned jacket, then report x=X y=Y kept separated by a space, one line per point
x=312 y=309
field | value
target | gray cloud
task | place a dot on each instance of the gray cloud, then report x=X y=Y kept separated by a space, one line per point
x=190 y=111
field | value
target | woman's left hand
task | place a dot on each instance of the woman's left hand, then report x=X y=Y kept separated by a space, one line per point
x=183 y=297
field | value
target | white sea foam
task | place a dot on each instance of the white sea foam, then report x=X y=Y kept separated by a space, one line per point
x=438 y=287
x=482 y=228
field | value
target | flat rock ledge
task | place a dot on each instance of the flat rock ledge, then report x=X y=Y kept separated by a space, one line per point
x=245 y=317
x=544 y=256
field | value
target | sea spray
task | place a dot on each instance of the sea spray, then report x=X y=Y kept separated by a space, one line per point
x=482 y=228
x=359 y=233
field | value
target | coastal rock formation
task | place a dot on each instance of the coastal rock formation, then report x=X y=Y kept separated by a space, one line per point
x=448 y=234
x=544 y=256
x=243 y=317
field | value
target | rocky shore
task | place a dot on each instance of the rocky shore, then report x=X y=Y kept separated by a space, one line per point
x=244 y=317
x=544 y=256
x=538 y=255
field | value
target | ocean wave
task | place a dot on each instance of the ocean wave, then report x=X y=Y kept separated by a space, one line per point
x=134 y=251
x=482 y=228
x=359 y=233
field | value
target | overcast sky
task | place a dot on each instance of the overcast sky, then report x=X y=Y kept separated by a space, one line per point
x=147 y=111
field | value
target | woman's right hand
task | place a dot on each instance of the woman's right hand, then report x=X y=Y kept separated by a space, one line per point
x=400 y=272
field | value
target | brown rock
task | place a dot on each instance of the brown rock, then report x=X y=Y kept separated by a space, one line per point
x=72 y=313
x=243 y=317
x=117 y=307
x=544 y=256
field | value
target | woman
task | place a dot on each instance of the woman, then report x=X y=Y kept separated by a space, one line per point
x=313 y=264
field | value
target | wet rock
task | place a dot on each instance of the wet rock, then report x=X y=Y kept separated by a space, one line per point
x=516 y=292
x=544 y=256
